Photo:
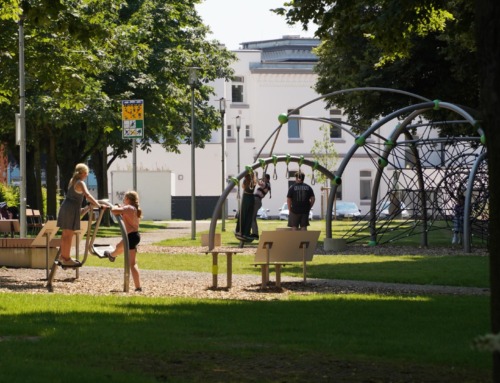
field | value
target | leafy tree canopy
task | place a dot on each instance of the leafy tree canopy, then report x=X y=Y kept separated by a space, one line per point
x=423 y=47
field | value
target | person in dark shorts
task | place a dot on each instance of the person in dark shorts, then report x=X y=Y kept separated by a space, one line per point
x=131 y=214
x=300 y=199
x=71 y=210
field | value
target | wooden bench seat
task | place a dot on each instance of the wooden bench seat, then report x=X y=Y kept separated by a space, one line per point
x=284 y=247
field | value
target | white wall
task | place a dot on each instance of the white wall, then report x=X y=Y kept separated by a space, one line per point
x=266 y=95
x=153 y=187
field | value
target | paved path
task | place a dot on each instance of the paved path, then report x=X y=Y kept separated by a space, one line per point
x=175 y=229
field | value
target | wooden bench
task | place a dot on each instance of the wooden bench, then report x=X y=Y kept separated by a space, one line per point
x=30 y=252
x=9 y=226
x=284 y=247
x=229 y=264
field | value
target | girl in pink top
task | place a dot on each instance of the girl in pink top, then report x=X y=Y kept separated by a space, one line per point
x=131 y=214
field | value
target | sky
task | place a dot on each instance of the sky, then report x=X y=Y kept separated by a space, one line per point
x=235 y=21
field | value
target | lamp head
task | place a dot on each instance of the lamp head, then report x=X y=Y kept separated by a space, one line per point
x=222 y=105
x=193 y=75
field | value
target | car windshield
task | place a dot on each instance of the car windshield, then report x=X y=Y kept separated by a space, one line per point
x=346 y=205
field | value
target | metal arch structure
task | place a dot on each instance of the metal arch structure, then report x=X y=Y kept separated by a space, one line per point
x=424 y=210
x=232 y=183
x=479 y=202
x=328 y=95
x=381 y=156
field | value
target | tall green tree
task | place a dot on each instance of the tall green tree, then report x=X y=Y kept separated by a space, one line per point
x=435 y=56
x=84 y=57
x=469 y=34
x=488 y=44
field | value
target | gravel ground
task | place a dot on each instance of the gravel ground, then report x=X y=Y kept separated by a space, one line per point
x=157 y=283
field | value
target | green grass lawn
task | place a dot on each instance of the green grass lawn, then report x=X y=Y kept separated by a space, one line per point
x=321 y=337
x=58 y=338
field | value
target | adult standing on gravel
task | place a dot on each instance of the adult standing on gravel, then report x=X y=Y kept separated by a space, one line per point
x=300 y=199
x=70 y=211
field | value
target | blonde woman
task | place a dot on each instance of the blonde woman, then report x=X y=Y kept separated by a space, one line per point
x=131 y=214
x=70 y=212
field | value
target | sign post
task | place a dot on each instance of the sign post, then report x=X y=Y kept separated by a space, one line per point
x=133 y=127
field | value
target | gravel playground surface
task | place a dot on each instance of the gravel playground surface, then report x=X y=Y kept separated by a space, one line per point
x=159 y=283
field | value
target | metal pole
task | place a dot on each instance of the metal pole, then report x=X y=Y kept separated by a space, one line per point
x=238 y=139
x=134 y=165
x=193 y=183
x=223 y=144
x=22 y=122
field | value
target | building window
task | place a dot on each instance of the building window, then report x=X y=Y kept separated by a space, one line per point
x=365 y=184
x=229 y=131
x=335 y=116
x=335 y=130
x=237 y=89
x=293 y=127
x=248 y=131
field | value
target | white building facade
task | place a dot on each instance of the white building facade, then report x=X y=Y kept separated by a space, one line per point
x=271 y=77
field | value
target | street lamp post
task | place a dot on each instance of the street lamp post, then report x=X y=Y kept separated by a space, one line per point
x=238 y=126
x=22 y=136
x=193 y=78
x=222 y=108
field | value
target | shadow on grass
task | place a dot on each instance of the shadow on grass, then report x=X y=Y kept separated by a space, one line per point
x=178 y=340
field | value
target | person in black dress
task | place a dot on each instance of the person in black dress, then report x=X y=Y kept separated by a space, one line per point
x=245 y=216
x=71 y=210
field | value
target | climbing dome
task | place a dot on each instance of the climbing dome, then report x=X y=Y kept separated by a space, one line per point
x=422 y=165
x=420 y=175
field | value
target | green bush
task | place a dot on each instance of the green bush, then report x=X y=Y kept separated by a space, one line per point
x=10 y=194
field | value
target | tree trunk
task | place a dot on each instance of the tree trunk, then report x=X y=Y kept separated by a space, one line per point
x=30 y=179
x=100 y=169
x=51 y=177
x=488 y=44
x=38 y=179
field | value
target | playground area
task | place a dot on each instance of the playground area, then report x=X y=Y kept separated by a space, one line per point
x=177 y=283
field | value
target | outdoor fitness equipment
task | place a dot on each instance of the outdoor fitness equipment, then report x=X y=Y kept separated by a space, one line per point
x=95 y=249
x=234 y=181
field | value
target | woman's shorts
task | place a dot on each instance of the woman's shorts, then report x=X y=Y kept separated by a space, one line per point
x=133 y=240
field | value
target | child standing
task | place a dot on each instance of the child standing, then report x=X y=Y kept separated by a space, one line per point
x=131 y=214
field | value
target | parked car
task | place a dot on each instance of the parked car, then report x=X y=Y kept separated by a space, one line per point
x=262 y=213
x=344 y=209
x=402 y=213
x=284 y=213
